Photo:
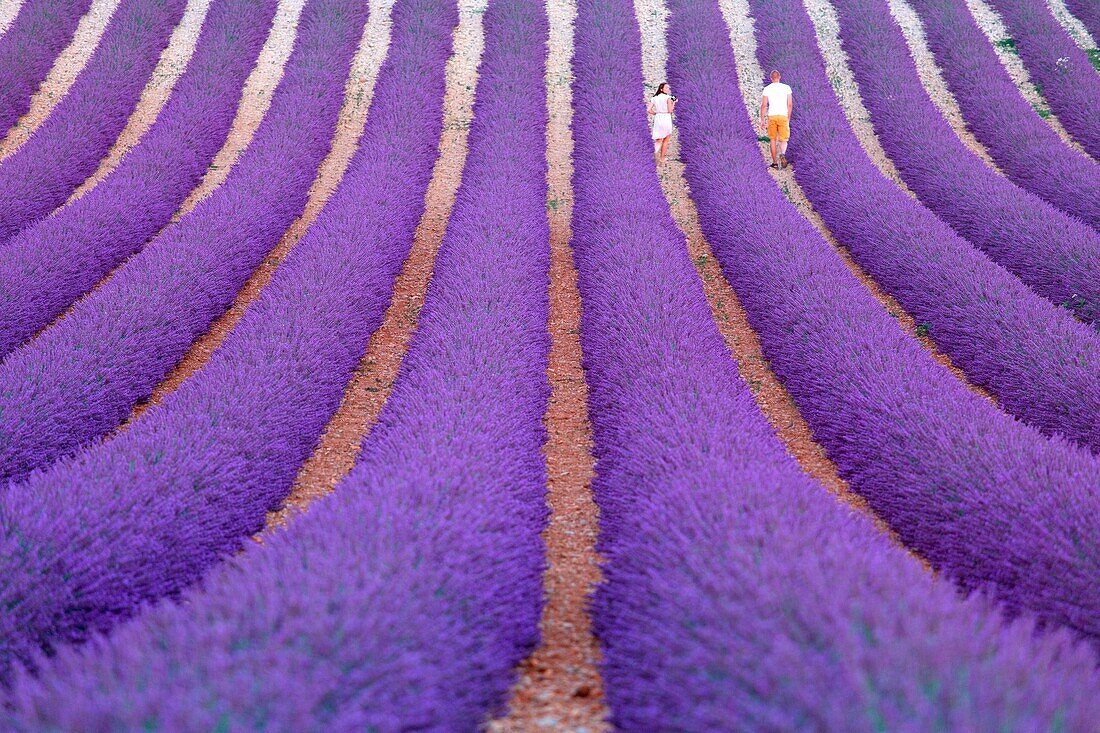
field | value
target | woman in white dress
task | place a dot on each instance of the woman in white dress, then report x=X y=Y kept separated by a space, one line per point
x=660 y=109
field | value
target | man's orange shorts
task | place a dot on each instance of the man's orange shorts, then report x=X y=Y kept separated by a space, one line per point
x=779 y=128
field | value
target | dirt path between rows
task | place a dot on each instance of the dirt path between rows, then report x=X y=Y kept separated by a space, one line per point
x=1074 y=27
x=358 y=92
x=255 y=101
x=771 y=396
x=171 y=65
x=8 y=11
x=373 y=380
x=994 y=29
x=559 y=686
x=65 y=69
x=740 y=26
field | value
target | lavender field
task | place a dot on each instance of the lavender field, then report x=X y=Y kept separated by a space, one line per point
x=362 y=370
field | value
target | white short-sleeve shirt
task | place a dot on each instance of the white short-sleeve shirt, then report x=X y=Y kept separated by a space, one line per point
x=776 y=94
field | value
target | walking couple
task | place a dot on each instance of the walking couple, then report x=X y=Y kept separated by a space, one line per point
x=775 y=117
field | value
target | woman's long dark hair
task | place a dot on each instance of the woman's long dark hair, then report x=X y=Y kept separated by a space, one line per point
x=660 y=86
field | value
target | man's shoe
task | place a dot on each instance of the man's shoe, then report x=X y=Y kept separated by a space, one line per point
x=783 y=161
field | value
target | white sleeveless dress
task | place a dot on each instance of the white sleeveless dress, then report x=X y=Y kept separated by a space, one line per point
x=662 y=121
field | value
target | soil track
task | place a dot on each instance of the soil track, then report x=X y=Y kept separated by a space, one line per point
x=173 y=61
x=771 y=396
x=357 y=94
x=740 y=27
x=994 y=29
x=255 y=100
x=827 y=29
x=373 y=380
x=1074 y=27
x=559 y=686
x=8 y=11
x=65 y=69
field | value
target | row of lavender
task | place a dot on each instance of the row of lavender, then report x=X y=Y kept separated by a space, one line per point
x=1040 y=363
x=1023 y=146
x=739 y=594
x=1056 y=254
x=224 y=449
x=1069 y=83
x=81 y=377
x=48 y=265
x=937 y=462
x=405 y=599
x=68 y=146
x=28 y=49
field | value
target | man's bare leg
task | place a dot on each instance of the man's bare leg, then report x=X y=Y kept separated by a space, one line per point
x=775 y=156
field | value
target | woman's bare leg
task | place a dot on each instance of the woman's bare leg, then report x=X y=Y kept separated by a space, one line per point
x=664 y=147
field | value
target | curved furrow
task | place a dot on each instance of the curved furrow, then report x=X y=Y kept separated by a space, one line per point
x=65 y=69
x=739 y=594
x=224 y=449
x=67 y=148
x=403 y=600
x=358 y=91
x=559 y=682
x=372 y=381
x=1088 y=12
x=1025 y=148
x=48 y=265
x=1055 y=254
x=1069 y=82
x=28 y=49
x=772 y=399
x=984 y=498
x=1038 y=361
x=80 y=378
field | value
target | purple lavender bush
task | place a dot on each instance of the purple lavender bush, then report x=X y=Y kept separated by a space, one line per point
x=1055 y=63
x=1041 y=363
x=225 y=448
x=81 y=377
x=739 y=594
x=1088 y=12
x=404 y=600
x=40 y=31
x=989 y=501
x=1028 y=151
x=1056 y=254
x=48 y=265
x=67 y=148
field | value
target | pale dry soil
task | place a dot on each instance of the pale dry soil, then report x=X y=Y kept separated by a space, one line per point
x=994 y=29
x=63 y=73
x=1075 y=28
x=172 y=63
x=8 y=11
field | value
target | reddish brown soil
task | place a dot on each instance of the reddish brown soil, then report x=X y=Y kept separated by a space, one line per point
x=61 y=77
x=357 y=93
x=372 y=383
x=560 y=686
x=173 y=61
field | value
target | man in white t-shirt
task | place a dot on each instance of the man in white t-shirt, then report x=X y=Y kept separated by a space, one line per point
x=775 y=117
